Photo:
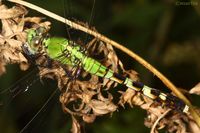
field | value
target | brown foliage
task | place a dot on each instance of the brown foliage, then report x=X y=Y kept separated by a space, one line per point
x=88 y=98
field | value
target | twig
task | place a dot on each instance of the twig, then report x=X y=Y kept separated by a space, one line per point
x=156 y=122
x=74 y=25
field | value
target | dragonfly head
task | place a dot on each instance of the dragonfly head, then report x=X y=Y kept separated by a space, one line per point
x=35 y=40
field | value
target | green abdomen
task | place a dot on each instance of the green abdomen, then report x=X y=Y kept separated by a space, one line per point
x=94 y=67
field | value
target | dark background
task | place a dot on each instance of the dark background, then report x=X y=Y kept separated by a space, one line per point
x=166 y=33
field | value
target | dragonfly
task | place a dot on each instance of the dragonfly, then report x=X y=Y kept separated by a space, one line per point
x=68 y=52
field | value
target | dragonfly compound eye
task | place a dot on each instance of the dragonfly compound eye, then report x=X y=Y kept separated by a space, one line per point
x=35 y=44
x=40 y=31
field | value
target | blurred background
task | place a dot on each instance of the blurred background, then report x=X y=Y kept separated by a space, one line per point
x=166 y=33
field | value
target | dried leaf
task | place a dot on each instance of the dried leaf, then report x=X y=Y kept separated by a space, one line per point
x=76 y=128
x=12 y=12
x=89 y=118
x=195 y=90
x=194 y=128
x=2 y=68
x=33 y=19
x=127 y=97
x=14 y=44
x=102 y=107
x=7 y=26
x=86 y=96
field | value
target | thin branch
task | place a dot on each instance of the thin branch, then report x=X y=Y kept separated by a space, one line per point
x=74 y=25
x=157 y=121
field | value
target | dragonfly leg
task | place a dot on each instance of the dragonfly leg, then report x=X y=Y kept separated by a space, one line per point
x=49 y=62
x=73 y=73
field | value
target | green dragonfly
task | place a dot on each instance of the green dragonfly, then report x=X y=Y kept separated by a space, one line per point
x=67 y=52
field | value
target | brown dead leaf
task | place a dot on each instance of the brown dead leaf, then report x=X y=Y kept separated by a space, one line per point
x=194 y=128
x=14 y=44
x=2 y=68
x=76 y=128
x=89 y=118
x=87 y=95
x=13 y=12
x=195 y=89
x=102 y=107
x=7 y=26
x=33 y=19
x=126 y=97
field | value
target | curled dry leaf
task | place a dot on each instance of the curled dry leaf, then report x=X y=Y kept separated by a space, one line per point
x=12 y=28
x=195 y=90
x=172 y=122
x=2 y=68
x=33 y=19
x=13 y=12
x=76 y=128
x=127 y=97
x=193 y=127
x=102 y=107
x=89 y=118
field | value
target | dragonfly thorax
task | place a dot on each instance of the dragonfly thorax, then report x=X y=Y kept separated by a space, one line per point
x=56 y=48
